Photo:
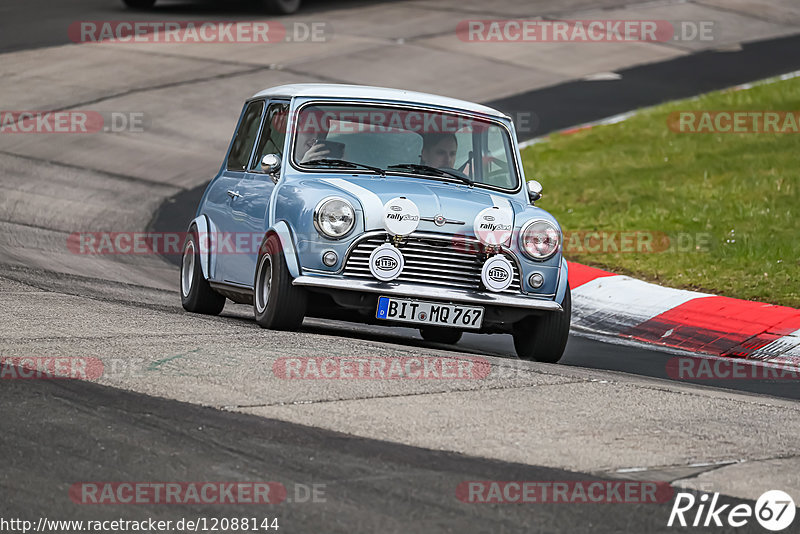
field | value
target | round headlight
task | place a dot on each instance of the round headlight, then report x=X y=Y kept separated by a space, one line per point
x=334 y=217
x=539 y=240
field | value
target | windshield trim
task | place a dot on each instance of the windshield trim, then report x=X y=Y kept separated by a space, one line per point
x=305 y=169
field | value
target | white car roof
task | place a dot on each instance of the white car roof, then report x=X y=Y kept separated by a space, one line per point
x=366 y=92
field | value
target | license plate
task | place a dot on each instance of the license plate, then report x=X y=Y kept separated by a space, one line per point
x=421 y=312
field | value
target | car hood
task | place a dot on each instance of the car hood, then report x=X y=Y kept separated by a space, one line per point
x=458 y=203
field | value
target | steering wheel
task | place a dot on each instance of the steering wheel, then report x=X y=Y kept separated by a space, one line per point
x=456 y=171
x=464 y=166
x=500 y=163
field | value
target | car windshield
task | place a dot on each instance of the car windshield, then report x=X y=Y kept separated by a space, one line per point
x=429 y=143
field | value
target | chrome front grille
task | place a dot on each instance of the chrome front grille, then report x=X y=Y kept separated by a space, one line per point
x=430 y=259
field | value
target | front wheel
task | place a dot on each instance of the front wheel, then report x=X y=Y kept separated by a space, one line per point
x=278 y=305
x=139 y=4
x=196 y=295
x=543 y=338
x=440 y=334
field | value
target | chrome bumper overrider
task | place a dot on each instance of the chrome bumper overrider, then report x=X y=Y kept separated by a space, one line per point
x=399 y=289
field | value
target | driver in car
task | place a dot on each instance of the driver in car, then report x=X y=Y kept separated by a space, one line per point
x=439 y=150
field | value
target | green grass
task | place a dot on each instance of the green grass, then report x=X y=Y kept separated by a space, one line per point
x=741 y=192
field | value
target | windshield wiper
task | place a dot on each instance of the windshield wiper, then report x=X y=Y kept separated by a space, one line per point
x=427 y=169
x=344 y=163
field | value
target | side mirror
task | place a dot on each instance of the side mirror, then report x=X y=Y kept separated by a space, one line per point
x=271 y=164
x=534 y=190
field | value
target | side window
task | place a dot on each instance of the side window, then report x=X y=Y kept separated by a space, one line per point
x=274 y=133
x=245 y=137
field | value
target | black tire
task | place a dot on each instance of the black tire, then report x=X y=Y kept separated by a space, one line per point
x=277 y=304
x=440 y=334
x=196 y=295
x=139 y=4
x=543 y=338
x=281 y=7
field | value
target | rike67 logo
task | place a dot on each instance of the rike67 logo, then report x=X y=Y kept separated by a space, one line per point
x=774 y=510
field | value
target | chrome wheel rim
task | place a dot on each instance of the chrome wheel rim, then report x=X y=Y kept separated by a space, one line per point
x=263 y=282
x=187 y=268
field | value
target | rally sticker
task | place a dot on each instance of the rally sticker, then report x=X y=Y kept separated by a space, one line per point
x=400 y=216
x=493 y=225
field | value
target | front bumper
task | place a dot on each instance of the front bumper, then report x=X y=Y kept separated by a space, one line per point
x=404 y=289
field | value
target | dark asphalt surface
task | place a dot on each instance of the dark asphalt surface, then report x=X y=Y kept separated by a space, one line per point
x=569 y=104
x=28 y=24
x=54 y=434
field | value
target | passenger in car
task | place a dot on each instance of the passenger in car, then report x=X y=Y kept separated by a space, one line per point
x=310 y=148
x=310 y=136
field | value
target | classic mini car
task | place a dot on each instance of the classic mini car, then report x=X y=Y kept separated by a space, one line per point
x=381 y=206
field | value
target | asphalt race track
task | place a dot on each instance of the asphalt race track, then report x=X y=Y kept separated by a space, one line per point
x=370 y=486
x=194 y=398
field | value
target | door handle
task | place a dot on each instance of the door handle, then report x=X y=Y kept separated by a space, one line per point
x=233 y=194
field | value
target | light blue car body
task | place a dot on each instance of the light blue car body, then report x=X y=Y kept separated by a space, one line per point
x=286 y=208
